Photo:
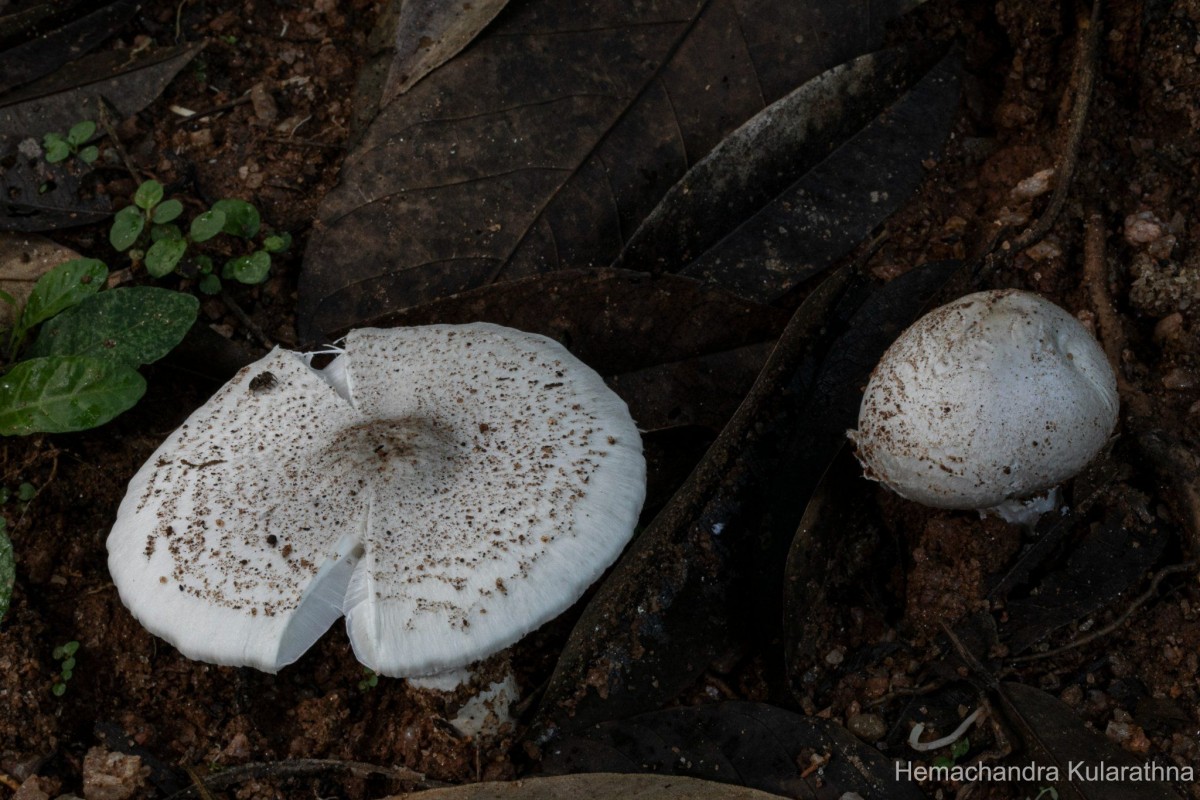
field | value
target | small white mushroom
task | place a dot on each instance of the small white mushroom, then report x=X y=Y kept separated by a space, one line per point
x=986 y=401
x=446 y=488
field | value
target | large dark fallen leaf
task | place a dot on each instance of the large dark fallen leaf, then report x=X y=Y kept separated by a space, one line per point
x=544 y=144
x=42 y=54
x=1110 y=560
x=1056 y=740
x=595 y=787
x=699 y=576
x=38 y=196
x=431 y=32
x=805 y=180
x=128 y=82
x=748 y=744
x=838 y=564
x=703 y=391
x=616 y=321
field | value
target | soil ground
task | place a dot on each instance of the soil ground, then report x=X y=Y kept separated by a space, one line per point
x=1138 y=169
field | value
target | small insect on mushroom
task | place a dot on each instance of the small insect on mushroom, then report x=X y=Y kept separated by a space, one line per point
x=399 y=487
x=984 y=402
x=262 y=382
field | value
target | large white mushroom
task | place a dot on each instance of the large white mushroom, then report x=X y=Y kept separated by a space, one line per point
x=446 y=488
x=987 y=401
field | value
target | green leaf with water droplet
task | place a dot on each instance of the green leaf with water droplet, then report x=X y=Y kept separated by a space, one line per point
x=241 y=218
x=148 y=195
x=163 y=255
x=59 y=394
x=251 y=269
x=8 y=573
x=80 y=132
x=132 y=325
x=60 y=288
x=127 y=226
x=207 y=225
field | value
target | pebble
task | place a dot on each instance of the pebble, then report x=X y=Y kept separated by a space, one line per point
x=1035 y=185
x=1143 y=228
x=1179 y=378
x=112 y=776
x=1168 y=327
x=868 y=727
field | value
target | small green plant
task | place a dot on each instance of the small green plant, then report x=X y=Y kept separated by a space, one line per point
x=370 y=680
x=957 y=751
x=152 y=220
x=81 y=371
x=65 y=654
x=60 y=148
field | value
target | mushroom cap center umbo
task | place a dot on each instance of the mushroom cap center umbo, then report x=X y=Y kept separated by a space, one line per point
x=448 y=489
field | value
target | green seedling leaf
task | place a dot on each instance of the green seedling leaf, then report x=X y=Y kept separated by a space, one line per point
x=60 y=394
x=167 y=211
x=207 y=225
x=59 y=689
x=80 y=132
x=89 y=154
x=241 y=218
x=56 y=148
x=68 y=664
x=277 y=243
x=8 y=298
x=26 y=492
x=210 y=284
x=165 y=231
x=163 y=255
x=58 y=653
x=127 y=227
x=8 y=573
x=148 y=195
x=71 y=648
x=131 y=326
x=249 y=269
x=61 y=288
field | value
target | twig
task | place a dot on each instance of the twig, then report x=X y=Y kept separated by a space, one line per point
x=198 y=784
x=300 y=768
x=1084 y=78
x=247 y=323
x=106 y=122
x=9 y=781
x=1138 y=602
x=208 y=112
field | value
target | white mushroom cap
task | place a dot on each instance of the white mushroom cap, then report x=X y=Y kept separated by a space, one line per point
x=998 y=395
x=459 y=487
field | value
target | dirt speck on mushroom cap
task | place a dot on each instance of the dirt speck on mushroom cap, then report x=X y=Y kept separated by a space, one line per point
x=463 y=486
x=998 y=395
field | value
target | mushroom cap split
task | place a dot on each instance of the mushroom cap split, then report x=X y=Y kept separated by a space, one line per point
x=446 y=488
x=996 y=396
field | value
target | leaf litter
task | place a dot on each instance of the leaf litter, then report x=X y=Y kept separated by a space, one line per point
x=327 y=714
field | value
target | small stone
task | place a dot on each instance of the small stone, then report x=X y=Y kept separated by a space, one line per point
x=835 y=656
x=1143 y=228
x=1044 y=250
x=1179 y=378
x=868 y=727
x=112 y=776
x=264 y=104
x=1035 y=185
x=1169 y=327
x=200 y=138
x=33 y=788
